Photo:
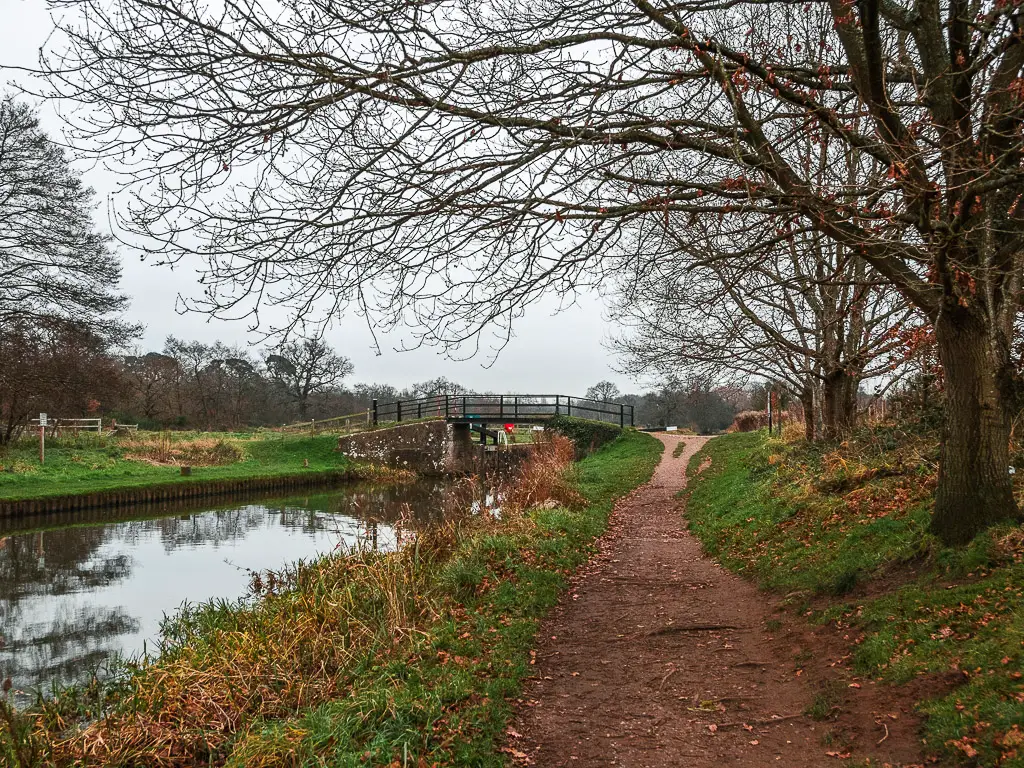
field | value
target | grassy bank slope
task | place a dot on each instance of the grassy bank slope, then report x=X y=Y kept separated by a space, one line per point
x=361 y=660
x=89 y=463
x=843 y=531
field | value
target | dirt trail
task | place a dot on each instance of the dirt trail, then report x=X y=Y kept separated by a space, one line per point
x=659 y=657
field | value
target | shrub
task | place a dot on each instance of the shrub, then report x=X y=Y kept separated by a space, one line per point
x=749 y=421
x=587 y=436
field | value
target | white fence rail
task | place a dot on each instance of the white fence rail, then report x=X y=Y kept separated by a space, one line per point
x=54 y=425
x=78 y=425
x=349 y=423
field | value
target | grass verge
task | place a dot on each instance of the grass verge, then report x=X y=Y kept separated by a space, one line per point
x=849 y=524
x=409 y=658
x=88 y=463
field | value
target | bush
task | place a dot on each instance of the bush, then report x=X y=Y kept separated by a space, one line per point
x=587 y=436
x=749 y=421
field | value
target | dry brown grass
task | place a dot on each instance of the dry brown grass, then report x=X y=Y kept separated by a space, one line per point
x=543 y=476
x=161 y=450
x=226 y=670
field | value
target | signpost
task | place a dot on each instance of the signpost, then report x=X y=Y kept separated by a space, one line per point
x=42 y=438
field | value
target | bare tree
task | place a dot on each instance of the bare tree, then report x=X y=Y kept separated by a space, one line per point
x=452 y=164
x=603 y=390
x=52 y=365
x=438 y=386
x=150 y=380
x=306 y=367
x=726 y=303
x=53 y=262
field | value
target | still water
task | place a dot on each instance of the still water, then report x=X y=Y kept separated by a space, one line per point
x=77 y=590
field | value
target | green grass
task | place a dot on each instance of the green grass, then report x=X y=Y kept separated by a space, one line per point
x=413 y=657
x=770 y=522
x=814 y=521
x=89 y=463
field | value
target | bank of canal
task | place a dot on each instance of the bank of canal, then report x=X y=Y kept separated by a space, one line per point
x=79 y=589
x=412 y=656
x=88 y=470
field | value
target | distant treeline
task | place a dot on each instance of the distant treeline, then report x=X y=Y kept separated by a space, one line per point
x=69 y=370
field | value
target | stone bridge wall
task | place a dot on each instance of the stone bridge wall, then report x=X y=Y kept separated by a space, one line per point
x=429 y=448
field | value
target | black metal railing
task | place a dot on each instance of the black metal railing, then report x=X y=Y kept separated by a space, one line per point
x=502 y=408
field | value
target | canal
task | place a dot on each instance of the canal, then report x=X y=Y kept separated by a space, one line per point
x=78 y=590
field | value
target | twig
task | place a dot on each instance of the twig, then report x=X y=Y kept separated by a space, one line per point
x=886 y=733
x=760 y=722
x=690 y=628
x=666 y=677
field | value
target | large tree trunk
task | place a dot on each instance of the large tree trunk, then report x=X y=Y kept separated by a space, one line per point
x=839 y=403
x=974 y=488
x=807 y=401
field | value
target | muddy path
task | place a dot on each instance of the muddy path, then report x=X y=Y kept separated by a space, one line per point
x=659 y=657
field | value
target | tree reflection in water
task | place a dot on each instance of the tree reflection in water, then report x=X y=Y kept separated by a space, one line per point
x=77 y=590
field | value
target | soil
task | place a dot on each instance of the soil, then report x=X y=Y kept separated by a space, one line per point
x=660 y=657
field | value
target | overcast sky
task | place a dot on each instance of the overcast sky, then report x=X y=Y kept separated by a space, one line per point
x=551 y=352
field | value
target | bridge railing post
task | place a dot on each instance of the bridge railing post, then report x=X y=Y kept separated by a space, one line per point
x=374 y=411
x=516 y=408
x=557 y=410
x=501 y=408
x=568 y=406
x=622 y=416
x=398 y=408
x=631 y=417
x=446 y=414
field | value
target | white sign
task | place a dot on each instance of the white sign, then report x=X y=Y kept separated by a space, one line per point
x=671 y=429
x=42 y=419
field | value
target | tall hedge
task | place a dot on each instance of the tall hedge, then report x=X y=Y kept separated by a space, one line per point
x=585 y=434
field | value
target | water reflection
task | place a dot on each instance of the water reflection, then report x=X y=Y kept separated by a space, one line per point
x=78 y=589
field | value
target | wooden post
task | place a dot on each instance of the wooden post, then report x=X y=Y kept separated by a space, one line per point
x=501 y=408
x=770 y=396
x=622 y=416
x=568 y=406
x=557 y=411
x=42 y=442
x=398 y=408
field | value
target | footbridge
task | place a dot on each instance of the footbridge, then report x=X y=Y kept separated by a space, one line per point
x=436 y=435
x=480 y=410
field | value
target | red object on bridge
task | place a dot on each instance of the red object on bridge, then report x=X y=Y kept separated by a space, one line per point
x=509 y=428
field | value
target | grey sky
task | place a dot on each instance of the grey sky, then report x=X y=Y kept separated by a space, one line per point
x=550 y=352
